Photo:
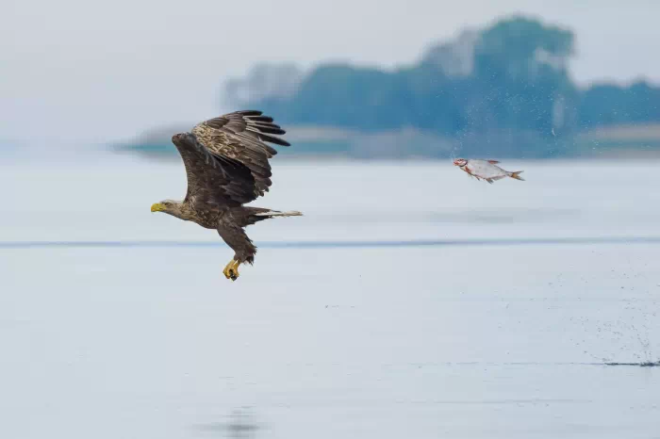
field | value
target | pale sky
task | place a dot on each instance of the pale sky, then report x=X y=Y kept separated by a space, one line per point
x=96 y=71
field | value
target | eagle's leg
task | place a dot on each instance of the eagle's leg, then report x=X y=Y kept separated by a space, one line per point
x=231 y=269
x=232 y=232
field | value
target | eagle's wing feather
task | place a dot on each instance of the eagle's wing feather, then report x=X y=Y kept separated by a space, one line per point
x=242 y=136
x=214 y=181
x=226 y=158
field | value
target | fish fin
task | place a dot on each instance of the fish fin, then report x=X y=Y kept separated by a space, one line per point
x=493 y=162
x=489 y=180
x=516 y=175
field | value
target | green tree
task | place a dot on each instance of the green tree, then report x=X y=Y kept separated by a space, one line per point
x=521 y=66
x=609 y=104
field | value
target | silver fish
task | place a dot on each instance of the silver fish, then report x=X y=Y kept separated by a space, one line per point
x=486 y=170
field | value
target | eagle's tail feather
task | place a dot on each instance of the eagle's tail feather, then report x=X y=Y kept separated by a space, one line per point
x=276 y=213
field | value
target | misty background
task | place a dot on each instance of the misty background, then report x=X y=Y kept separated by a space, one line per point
x=79 y=73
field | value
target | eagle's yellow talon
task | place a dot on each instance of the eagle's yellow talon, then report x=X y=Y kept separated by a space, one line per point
x=227 y=269
x=231 y=270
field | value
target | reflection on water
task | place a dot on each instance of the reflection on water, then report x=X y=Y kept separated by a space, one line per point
x=644 y=364
x=241 y=424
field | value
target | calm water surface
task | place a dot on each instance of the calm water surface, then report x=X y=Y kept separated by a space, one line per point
x=457 y=341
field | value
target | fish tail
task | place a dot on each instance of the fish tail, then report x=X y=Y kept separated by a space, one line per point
x=516 y=175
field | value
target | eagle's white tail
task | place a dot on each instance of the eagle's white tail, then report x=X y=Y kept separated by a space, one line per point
x=275 y=213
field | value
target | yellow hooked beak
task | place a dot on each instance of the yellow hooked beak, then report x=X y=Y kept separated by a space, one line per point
x=158 y=207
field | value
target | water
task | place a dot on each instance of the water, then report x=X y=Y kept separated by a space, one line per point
x=461 y=337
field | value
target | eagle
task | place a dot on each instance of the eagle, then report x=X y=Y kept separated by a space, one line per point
x=226 y=162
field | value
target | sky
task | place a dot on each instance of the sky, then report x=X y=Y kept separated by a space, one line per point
x=84 y=71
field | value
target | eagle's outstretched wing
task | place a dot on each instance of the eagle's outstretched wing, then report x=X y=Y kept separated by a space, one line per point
x=241 y=136
x=226 y=158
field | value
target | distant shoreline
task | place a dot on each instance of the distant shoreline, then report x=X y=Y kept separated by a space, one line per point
x=322 y=143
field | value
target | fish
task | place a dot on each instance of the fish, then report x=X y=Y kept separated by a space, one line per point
x=486 y=170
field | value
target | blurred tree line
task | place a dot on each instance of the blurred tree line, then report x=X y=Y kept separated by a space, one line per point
x=507 y=82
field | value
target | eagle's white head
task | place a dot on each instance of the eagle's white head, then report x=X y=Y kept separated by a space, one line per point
x=172 y=207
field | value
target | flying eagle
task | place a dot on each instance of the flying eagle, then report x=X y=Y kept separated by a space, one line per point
x=226 y=161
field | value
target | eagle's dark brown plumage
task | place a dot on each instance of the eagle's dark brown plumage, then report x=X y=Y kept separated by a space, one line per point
x=226 y=161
